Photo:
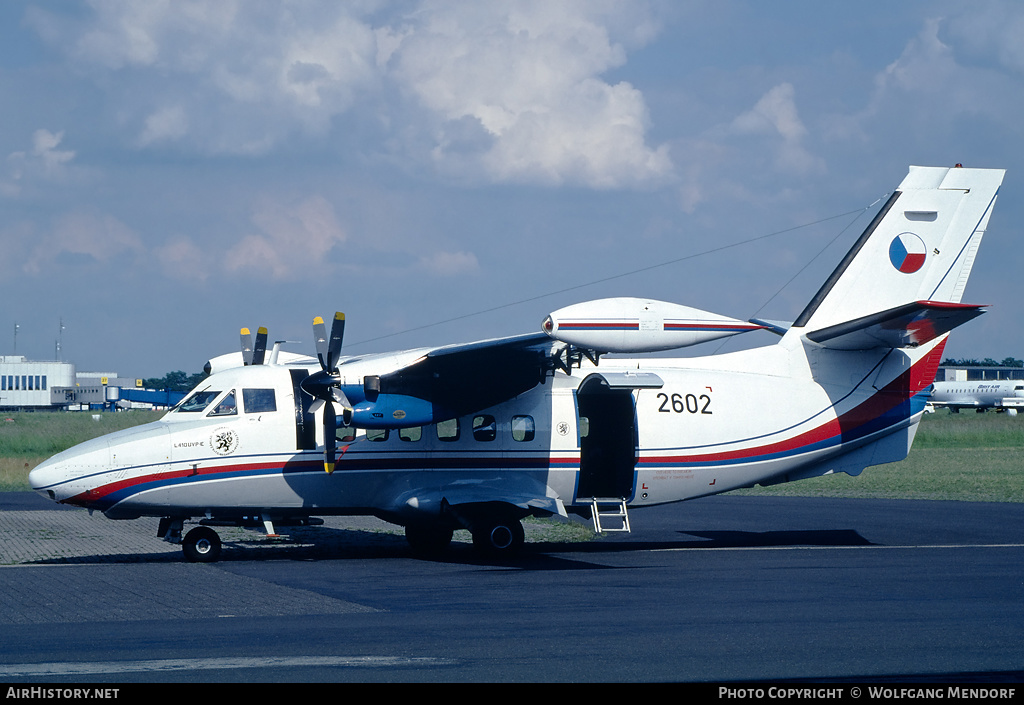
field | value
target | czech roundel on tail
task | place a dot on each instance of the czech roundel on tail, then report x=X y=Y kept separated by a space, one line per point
x=479 y=436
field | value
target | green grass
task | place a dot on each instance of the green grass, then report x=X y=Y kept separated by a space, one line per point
x=27 y=439
x=966 y=456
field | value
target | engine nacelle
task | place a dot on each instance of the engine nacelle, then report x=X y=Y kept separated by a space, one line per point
x=230 y=360
x=629 y=325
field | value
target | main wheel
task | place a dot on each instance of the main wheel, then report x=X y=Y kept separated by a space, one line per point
x=502 y=536
x=201 y=545
x=428 y=539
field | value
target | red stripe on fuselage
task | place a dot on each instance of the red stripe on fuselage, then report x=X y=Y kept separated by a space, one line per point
x=909 y=383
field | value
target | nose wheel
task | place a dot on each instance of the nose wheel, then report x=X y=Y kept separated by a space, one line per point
x=201 y=545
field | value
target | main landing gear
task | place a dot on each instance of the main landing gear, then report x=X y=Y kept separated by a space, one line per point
x=497 y=532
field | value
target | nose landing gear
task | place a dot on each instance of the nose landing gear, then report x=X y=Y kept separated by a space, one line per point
x=201 y=545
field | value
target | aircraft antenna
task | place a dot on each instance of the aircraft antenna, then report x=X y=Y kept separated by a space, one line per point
x=858 y=212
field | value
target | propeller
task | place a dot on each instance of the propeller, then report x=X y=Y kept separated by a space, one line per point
x=254 y=352
x=325 y=385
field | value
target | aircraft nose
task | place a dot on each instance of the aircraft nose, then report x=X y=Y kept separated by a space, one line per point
x=44 y=477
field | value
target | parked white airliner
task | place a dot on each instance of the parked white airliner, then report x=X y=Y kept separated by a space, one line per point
x=481 y=435
x=1002 y=395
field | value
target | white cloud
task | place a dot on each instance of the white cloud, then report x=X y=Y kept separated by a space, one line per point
x=953 y=67
x=43 y=161
x=991 y=30
x=167 y=123
x=776 y=114
x=527 y=74
x=294 y=240
x=79 y=239
x=509 y=92
x=183 y=259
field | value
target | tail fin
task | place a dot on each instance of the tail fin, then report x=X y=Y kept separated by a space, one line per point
x=909 y=268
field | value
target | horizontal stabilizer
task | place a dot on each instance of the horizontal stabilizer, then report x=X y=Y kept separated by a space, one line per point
x=905 y=326
x=776 y=327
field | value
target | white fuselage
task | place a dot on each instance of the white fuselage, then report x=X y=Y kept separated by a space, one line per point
x=764 y=415
x=978 y=395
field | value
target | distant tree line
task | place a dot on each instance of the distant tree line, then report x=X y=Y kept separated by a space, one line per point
x=987 y=362
x=176 y=381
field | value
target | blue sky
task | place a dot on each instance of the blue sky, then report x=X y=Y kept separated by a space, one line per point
x=173 y=171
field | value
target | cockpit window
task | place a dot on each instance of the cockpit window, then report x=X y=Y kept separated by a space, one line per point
x=197 y=402
x=259 y=401
x=227 y=406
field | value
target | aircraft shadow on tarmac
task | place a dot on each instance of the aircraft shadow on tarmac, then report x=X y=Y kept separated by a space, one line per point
x=323 y=544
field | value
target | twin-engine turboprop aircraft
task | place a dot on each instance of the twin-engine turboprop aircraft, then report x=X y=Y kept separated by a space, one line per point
x=479 y=436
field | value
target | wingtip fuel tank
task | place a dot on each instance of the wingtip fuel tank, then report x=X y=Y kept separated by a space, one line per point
x=632 y=325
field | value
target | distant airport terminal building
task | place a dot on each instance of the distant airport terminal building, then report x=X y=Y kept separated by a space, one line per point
x=29 y=386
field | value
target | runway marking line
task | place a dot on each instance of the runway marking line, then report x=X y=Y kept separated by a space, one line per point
x=839 y=548
x=86 y=668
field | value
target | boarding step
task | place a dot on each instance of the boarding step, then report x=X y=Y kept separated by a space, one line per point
x=609 y=508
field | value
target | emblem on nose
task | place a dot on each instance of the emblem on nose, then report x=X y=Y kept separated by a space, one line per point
x=223 y=441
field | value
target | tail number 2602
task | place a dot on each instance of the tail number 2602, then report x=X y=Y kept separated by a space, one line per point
x=684 y=403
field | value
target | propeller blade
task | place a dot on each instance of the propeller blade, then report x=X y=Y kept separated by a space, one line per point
x=259 y=350
x=330 y=440
x=324 y=385
x=246 y=346
x=320 y=336
x=328 y=348
x=334 y=345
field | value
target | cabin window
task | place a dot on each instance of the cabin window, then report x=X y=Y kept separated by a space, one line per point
x=523 y=428
x=259 y=401
x=197 y=402
x=376 y=434
x=410 y=434
x=484 y=428
x=448 y=431
x=345 y=434
x=227 y=406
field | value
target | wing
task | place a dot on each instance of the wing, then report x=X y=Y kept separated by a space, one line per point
x=461 y=379
x=909 y=325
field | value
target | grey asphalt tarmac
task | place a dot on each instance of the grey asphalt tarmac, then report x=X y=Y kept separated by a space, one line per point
x=727 y=589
